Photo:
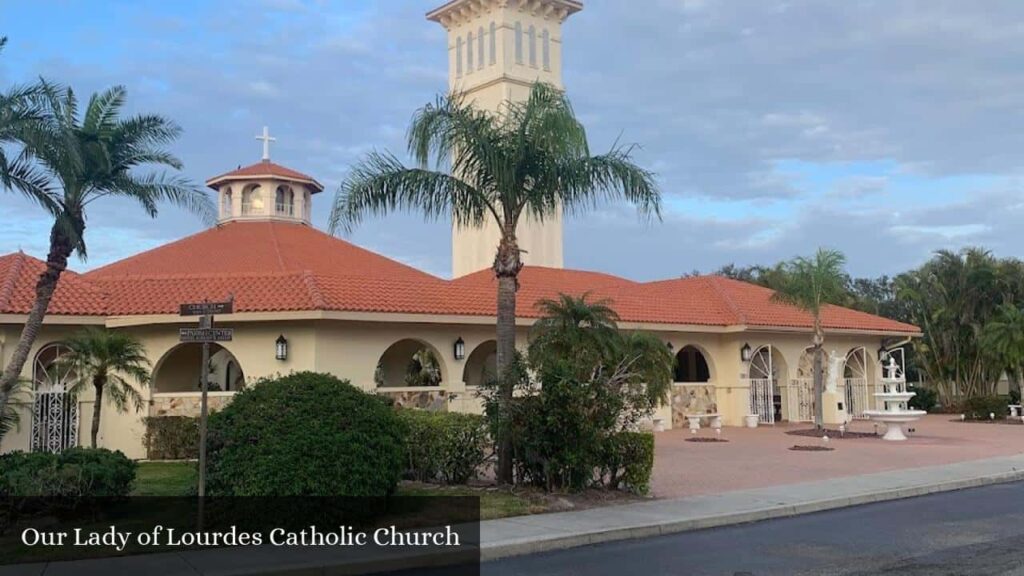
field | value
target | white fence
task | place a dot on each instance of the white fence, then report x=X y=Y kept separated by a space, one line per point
x=799 y=398
x=858 y=396
x=762 y=399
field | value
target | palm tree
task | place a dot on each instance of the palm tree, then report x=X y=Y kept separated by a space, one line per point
x=85 y=157
x=810 y=284
x=529 y=158
x=1004 y=336
x=103 y=358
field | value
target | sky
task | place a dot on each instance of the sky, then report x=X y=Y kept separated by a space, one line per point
x=885 y=129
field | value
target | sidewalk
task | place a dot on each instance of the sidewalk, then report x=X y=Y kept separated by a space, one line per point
x=542 y=532
x=529 y=534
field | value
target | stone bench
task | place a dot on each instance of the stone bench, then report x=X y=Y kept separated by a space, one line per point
x=694 y=420
x=1015 y=410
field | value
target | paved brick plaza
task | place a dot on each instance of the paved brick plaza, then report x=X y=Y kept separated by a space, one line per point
x=761 y=457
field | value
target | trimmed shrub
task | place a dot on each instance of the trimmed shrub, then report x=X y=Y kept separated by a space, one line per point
x=628 y=458
x=925 y=399
x=305 y=434
x=75 y=473
x=979 y=407
x=444 y=447
x=171 y=437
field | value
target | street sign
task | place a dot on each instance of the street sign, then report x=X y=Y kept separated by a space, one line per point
x=207 y=308
x=205 y=334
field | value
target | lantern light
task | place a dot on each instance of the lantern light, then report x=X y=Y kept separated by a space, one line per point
x=745 y=353
x=460 y=349
x=281 y=348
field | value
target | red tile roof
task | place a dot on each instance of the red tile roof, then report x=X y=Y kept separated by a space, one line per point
x=279 y=266
x=19 y=273
x=264 y=168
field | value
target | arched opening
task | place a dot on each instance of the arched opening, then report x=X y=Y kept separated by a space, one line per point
x=409 y=363
x=226 y=203
x=179 y=370
x=858 y=380
x=691 y=366
x=284 y=200
x=533 y=46
x=765 y=368
x=799 y=397
x=54 y=408
x=545 y=49
x=519 y=43
x=252 y=200
x=481 y=364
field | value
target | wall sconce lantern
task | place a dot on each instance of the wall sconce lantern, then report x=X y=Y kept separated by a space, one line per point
x=745 y=353
x=670 y=346
x=460 y=349
x=883 y=354
x=281 y=348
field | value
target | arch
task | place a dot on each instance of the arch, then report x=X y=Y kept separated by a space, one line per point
x=226 y=203
x=480 y=48
x=47 y=375
x=533 y=46
x=545 y=49
x=858 y=380
x=252 y=200
x=469 y=52
x=410 y=362
x=481 y=364
x=307 y=206
x=284 y=200
x=458 y=56
x=519 y=43
x=494 y=44
x=178 y=370
x=691 y=365
x=766 y=362
x=764 y=369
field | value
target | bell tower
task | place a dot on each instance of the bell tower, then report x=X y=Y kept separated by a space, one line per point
x=497 y=49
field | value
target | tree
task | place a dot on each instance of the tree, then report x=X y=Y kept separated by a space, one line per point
x=1004 y=336
x=810 y=284
x=528 y=159
x=103 y=359
x=80 y=159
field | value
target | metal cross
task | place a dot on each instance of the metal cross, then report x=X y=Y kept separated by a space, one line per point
x=267 y=139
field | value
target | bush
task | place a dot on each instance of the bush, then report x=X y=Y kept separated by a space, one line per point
x=979 y=407
x=1015 y=396
x=171 y=437
x=75 y=473
x=444 y=446
x=924 y=399
x=628 y=459
x=305 y=434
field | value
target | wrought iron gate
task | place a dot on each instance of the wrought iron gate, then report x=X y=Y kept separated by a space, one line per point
x=800 y=400
x=857 y=397
x=54 y=421
x=762 y=399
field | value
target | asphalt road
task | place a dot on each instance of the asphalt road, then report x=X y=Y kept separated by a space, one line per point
x=970 y=532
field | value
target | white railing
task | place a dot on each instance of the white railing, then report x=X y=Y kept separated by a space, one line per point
x=858 y=397
x=800 y=400
x=762 y=399
x=283 y=208
x=246 y=208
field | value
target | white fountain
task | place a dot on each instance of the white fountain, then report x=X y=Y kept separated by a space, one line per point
x=894 y=397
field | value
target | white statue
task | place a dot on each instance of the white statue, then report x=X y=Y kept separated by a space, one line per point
x=835 y=362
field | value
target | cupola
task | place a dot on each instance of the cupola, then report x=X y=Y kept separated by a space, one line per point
x=265 y=191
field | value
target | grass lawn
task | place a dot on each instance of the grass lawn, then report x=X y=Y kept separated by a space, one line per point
x=179 y=479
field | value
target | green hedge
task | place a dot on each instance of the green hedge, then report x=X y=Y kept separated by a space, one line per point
x=444 y=447
x=171 y=437
x=305 y=434
x=77 y=473
x=979 y=407
x=923 y=399
x=628 y=458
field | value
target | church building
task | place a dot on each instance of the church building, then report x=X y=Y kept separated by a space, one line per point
x=306 y=300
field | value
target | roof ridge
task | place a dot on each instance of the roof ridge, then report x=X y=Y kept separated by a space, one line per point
x=7 y=289
x=319 y=302
x=713 y=280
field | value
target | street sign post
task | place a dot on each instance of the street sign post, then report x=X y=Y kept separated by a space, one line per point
x=205 y=333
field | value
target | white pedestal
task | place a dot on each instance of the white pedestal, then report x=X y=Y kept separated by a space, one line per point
x=894 y=431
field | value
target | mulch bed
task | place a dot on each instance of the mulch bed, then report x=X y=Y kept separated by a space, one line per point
x=807 y=448
x=831 y=433
x=695 y=439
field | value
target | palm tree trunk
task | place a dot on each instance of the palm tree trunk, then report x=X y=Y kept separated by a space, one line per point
x=97 y=383
x=819 y=381
x=56 y=263
x=507 y=265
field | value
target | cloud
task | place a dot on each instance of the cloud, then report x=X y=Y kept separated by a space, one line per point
x=750 y=112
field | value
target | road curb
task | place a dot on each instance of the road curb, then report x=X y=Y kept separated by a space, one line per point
x=499 y=550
